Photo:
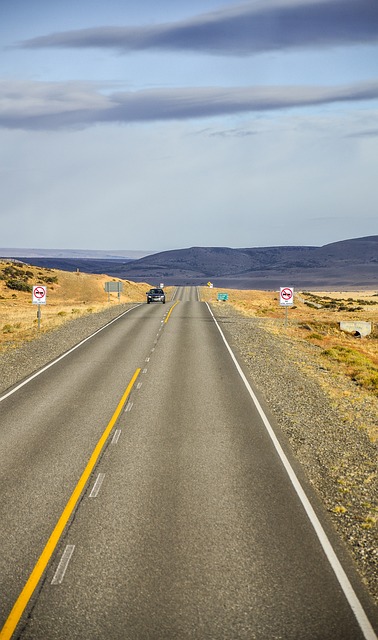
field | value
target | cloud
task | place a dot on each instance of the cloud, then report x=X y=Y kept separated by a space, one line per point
x=250 y=28
x=371 y=133
x=47 y=105
x=232 y=133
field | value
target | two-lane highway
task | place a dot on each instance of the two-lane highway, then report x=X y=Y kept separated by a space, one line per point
x=190 y=526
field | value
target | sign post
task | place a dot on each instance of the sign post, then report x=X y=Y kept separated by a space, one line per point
x=39 y=298
x=286 y=300
x=114 y=287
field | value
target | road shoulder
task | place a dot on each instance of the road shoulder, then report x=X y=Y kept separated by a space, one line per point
x=325 y=435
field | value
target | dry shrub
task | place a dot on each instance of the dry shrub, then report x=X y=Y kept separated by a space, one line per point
x=315 y=318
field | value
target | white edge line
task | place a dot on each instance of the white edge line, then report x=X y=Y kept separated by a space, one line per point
x=350 y=594
x=51 y=364
x=63 y=564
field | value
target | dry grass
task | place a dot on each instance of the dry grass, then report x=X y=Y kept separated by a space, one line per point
x=73 y=294
x=357 y=358
x=343 y=355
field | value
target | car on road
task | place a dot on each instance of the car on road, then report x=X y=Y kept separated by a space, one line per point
x=155 y=295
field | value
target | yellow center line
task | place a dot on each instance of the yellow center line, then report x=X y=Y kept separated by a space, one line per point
x=167 y=318
x=35 y=576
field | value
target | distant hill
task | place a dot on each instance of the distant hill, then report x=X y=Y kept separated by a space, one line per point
x=347 y=264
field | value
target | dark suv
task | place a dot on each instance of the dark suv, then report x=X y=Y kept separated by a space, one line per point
x=155 y=295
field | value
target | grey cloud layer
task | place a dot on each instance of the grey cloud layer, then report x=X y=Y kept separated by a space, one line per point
x=243 y=30
x=44 y=106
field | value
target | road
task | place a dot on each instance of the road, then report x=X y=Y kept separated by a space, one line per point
x=189 y=526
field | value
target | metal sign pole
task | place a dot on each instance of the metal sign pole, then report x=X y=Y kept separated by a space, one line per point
x=286 y=300
x=39 y=297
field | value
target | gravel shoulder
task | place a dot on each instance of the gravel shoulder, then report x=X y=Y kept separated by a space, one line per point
x=326 y=422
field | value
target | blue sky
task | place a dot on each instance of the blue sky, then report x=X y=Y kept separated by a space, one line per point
x=155 y=126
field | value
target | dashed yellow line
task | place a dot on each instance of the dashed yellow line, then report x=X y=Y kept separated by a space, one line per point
x=35 y=576
x=170 y=311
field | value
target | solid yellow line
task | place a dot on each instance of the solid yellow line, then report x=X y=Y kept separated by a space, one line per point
x=167 y=318
x=35 y=576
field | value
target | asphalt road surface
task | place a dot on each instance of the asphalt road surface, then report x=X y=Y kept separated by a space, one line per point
x=189 y=526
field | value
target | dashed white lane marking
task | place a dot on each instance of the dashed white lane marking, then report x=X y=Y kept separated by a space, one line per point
x=97 y=485
x=139 y=385
x=153 y=349
x=144 y=371
x=116 y=435
x=147 y=360
x=63 y=564
x=129 y=406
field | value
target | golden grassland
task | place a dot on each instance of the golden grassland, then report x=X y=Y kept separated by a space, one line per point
x=69 y=295
x=315 y=318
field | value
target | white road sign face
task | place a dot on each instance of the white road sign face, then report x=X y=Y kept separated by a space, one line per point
x=286 y=296
x=39 y=294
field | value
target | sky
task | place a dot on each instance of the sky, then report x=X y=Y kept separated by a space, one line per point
x=151 y=126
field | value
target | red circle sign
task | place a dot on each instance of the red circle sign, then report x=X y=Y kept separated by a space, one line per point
x=39 y=292
x=286 y=294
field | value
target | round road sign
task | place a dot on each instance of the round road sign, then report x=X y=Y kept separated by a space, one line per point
x=39 y=294
x=286 y=295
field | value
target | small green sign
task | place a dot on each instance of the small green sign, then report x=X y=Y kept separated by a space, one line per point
x=223 y=296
